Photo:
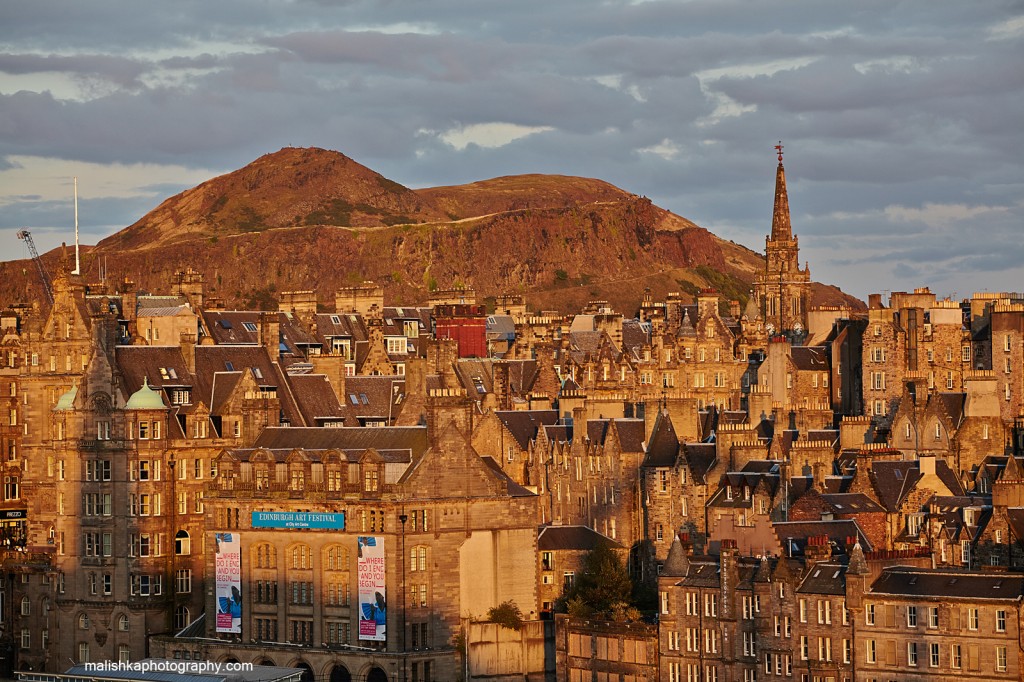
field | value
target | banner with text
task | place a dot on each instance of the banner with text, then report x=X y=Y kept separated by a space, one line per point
x=228 y=569
x=372 y=590
x=268 y=519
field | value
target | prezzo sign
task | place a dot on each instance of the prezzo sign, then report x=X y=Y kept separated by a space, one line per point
x=267 y=519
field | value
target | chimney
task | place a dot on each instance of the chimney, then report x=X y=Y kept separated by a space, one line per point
x=730 y=577
x=187 y=343
x=874 y=301
x=734 y=309
x=270 y=334
x=926 y=463
x=818 y=548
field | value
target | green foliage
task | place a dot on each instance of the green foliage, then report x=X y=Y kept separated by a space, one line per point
x=731 y=288
x=603 y=587
x=561 y=275
x=262 y=299
x=250 y=220
x=507 y=615
x=390 y=186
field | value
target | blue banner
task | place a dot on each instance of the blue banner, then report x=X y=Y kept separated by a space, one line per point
x=268 y=519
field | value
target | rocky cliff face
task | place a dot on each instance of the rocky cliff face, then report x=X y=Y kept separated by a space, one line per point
x=314 y=219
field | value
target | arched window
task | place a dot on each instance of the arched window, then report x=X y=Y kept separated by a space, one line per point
x=418 y=558
x=265 y=555
x=300 y=556
x=83 y=621
x=182 y=618
x=26 y=606
x=123 y=623
x=182 y=543
x=335 y=558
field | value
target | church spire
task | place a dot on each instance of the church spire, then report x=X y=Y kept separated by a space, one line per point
x=782 y=229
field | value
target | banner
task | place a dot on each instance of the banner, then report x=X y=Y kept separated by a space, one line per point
x=266 y=519
x=372 y=590
x=228 y=566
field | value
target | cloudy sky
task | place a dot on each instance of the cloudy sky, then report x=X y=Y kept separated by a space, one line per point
x=901 y=120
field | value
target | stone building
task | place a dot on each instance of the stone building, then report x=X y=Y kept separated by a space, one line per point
x=455 y=536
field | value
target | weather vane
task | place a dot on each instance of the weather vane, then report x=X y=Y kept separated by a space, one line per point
x=778 y=148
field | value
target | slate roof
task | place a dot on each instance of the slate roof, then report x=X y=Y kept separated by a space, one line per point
x=411 y=438
x=851 y=503
x=824 y=578
x=663 y=447
x=894 y=480
x=152 y=364
x=524 y=425
x=837 y=531
x=316 y=398
x=953 y=405
x=702 y=458
x=635 y=334
x=943 y=584
x=810 y=358
x=579 y=538
x=379 y=397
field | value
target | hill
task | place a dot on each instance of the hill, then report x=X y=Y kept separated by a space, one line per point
x=314 y=219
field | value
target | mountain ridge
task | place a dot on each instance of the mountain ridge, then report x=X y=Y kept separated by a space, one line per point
x=308 y=218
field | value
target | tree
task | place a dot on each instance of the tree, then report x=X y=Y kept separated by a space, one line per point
x=603 y=588
x=506 y=614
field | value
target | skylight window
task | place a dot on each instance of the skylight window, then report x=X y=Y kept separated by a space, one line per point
x=353 y=398
x=256 y=371
x=249 y=326
x=335 y=319
x=230 y=366
x=365 y=400
x=226 y=324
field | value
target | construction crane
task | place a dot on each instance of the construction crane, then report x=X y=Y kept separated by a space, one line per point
x=24 y=234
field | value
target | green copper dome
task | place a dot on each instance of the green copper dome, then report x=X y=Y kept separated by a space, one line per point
x=145 y=399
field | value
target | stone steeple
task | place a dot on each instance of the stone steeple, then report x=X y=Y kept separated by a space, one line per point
x=782 y=290
x=782 y=228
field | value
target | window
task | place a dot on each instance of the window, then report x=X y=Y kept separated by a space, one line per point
x=911 y=616
x=912 y=654
x=1000 y=620
x=83 y=652
x=824 y=612
x=26 y=606
x=803 y=610
x=847 y=650
x=933 y=617
x=869 y=614
x=972 y=619
x=870 y=651
x=954 y=656
x=933 y=655
x=824 y=648
x=183 y=581
x=804 y=648
x=1001 y=658
x=182 y=543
